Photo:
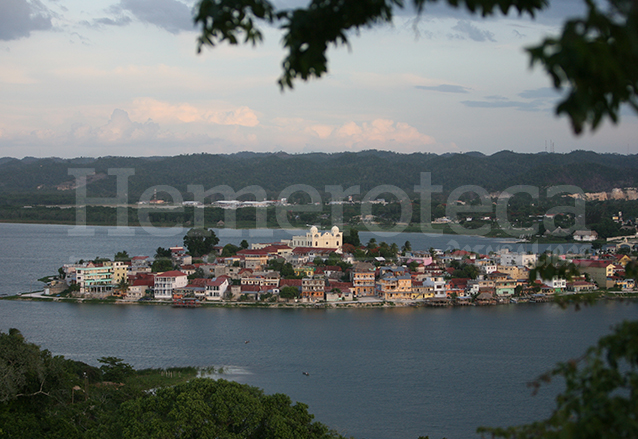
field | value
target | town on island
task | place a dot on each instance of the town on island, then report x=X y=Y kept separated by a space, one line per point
x=330 y=268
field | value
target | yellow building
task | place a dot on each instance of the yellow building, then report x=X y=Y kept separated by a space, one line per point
x=120 y=271
x=600 y=272
x=315 y=239
x=395 y=287
x=363 y=279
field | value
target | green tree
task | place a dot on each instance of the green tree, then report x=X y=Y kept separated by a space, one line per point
x=198 y=274
x=161 y=265
x=115 y=369
x=289 y=292
x=595 y=57
x=218 y=408
x=244 y=244
x=163 y=260
x=200 y=242
x=351 y=236
x=549 y=266
x=122 y=256
x=162 y=252
x=230 y=250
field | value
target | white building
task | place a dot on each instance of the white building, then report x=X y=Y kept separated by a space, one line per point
x=585 y=235
x=437 y=284
x=216 y=288
x=166 y=282
x=518 y=259
x=556 y=283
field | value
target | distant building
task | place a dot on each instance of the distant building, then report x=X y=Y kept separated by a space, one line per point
x=585 y=235
x=314 y=238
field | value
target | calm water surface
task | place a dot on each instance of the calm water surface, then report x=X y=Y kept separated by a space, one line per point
x=374 y=373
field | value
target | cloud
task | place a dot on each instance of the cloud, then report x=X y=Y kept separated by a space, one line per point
x=474 y=33
x=556 y=13
x=170 y=15
x=517 y=34
x=121 y=128
x=121 y=20
x=537 y=100
x=243 y=116
x=446 y=88
x=164 y=112
x=18 y=18
x=381 y=132
x=540 y=93
x=500 y=102
x=321 y=131
x=118 y=136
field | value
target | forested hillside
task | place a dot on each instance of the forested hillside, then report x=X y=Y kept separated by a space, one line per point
x=47 y=180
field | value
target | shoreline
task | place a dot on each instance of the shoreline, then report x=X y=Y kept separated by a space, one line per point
x=561 y=300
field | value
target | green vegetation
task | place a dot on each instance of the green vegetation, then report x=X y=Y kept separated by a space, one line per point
x=20 y=179
x=200 y=242
x=162 y=261
x=22 y=201
x=42 y=395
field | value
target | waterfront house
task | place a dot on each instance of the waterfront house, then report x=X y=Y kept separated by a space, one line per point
x=579 y=286
x=166 y=282
x=600 y=272
x=215 y=289
x=313 y=288
x=393 y=287
x=95 y=280
x=363 y=279
x=339 y=291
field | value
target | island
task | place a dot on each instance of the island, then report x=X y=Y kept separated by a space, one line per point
x=333 y=269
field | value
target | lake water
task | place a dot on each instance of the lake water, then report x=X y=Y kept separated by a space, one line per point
x=373 y=373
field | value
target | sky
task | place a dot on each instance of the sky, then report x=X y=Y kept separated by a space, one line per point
x=123 y=78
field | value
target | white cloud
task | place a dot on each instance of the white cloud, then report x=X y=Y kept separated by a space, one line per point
x=381 y=132
x=165 y=112
x=121 y=128
x=321 y=131
x=469 y=30
x=243 y=116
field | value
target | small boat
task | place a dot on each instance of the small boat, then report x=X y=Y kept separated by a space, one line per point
x=306 y=374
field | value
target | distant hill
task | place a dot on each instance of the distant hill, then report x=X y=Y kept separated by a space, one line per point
x=47 y=180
